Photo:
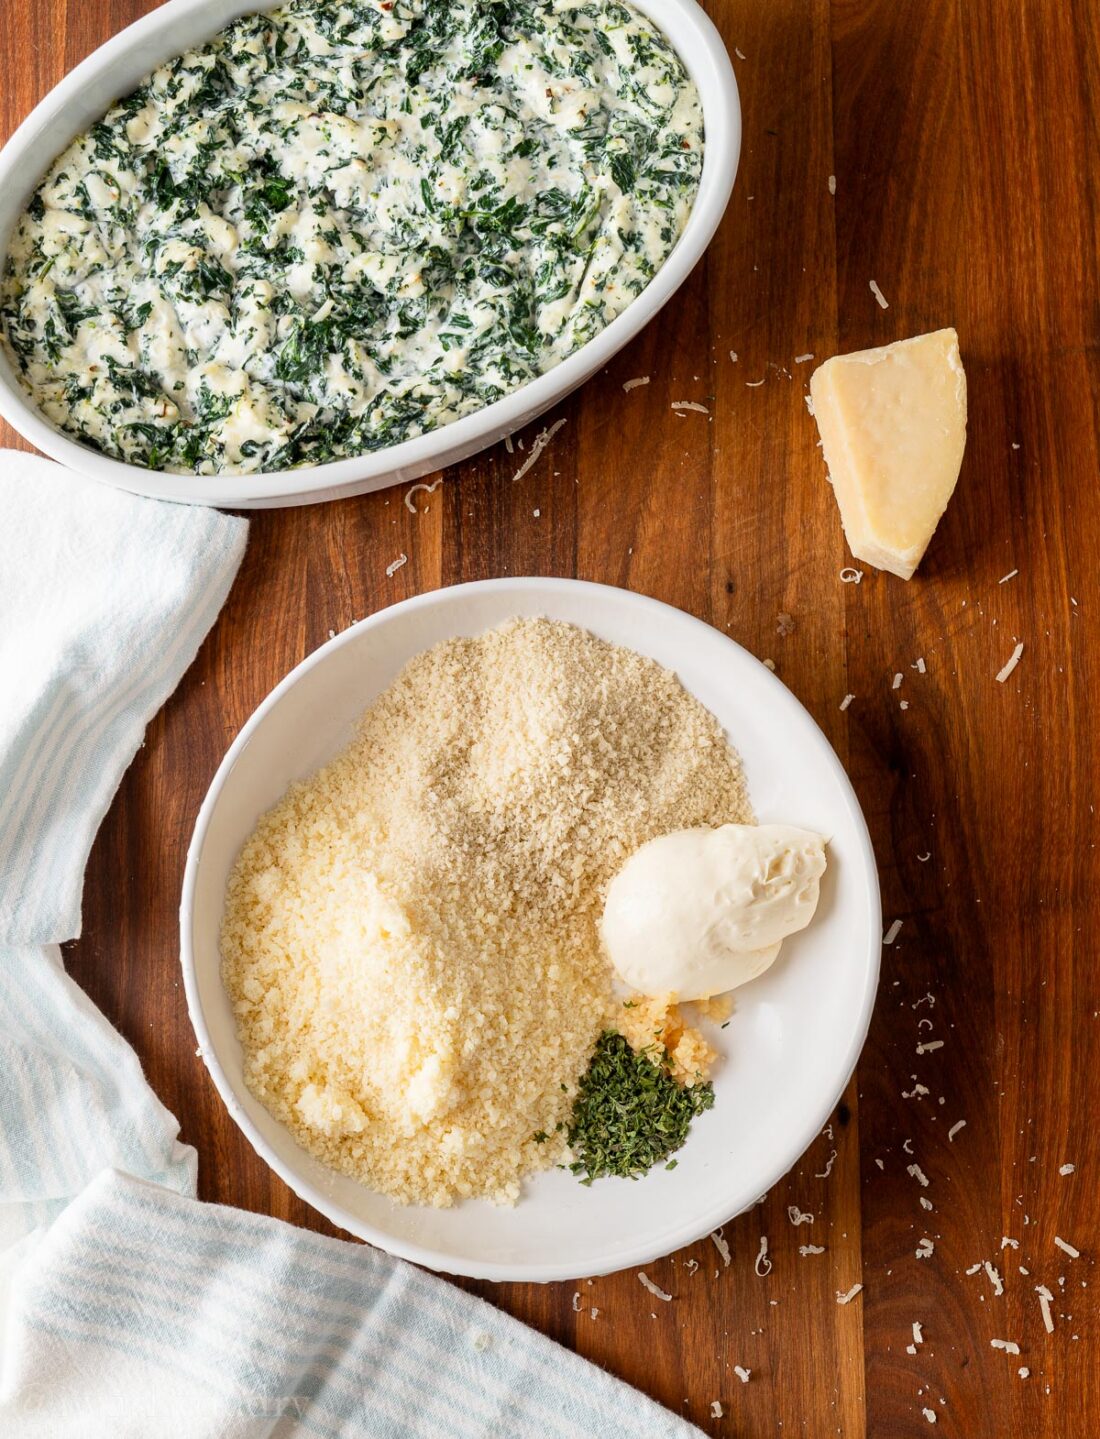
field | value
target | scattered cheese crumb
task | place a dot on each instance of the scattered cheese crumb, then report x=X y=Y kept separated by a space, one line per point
x=391 y=570
x=810 y=404
x=1067 y=1248
x=795 y=1215
x=1008 y=1345
x=832 y=184
x=1013 y=660
x=716 y=1409
x=879 y=296
x=681 y=405
x=994 y=1278
x=918 y=1337
x=929 y=1046
x=428 y=489
x=851 y=576
x=647 y=1283
x=541 y=441
x=959 y=1124
x=629 y=385
x=577 y=1302
x=763 y=1265
x=828 y=1167
x=1023 y=1371
x=802 y=359
x=739 y=54
x=847 y=1297
x=919 y=665
x=1010 y=576
x=925 y=1203
x=742 y=1373
x=846 y=701
x=805 y=1249
x=722 y=1247
x=1045 y=1296
x=595 y=1313
x=929 y=1414
x=897 y=681
x=925 y=1248
x=1067 y=1169
x=893 y=932
x=1007 y=1243
x=733 y=356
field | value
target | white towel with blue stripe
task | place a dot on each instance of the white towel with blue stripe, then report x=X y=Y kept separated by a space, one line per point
x=128 y=1308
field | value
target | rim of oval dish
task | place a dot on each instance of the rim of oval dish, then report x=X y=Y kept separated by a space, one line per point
x=68 y=108
x=689 y=1230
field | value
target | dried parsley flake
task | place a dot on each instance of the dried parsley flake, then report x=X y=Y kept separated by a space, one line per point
x=629 y=1112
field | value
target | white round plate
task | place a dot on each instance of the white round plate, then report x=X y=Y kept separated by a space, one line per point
x=789 y=1048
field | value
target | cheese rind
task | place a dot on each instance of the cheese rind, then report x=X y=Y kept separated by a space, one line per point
x=893 y=429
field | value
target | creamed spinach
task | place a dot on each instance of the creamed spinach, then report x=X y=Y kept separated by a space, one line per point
x=343 y=223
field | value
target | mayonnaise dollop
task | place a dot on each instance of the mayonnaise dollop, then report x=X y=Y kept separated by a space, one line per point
x=701 y=911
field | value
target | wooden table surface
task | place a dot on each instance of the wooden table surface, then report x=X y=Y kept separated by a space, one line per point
x=965 y=143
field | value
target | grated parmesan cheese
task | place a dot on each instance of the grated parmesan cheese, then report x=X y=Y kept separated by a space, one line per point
x=879 y=296
x=542 y=439
x=1009 y=1346
x=1067 y=1248
x=655 y=1290
x=392 y=569
x=959 y=1124
x=1011 y=663
x=742 y=1373
x=629 y=385
x=893 y=932
x=849 y=1295
x=410 y=504
x=722 y=1246
x=763 y=1265
x=1045 y=1297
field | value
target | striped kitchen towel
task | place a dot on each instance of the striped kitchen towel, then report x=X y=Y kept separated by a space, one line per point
x=128 y=1308
x=105 y=599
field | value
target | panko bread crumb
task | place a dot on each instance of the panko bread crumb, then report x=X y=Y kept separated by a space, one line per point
x=410 y=937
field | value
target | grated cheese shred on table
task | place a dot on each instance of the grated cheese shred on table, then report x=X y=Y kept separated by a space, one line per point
x=410 y=937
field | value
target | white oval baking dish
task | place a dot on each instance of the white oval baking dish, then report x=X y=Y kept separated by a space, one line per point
x=116 y=67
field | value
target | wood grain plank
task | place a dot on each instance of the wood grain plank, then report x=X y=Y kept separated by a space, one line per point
x=964 y=142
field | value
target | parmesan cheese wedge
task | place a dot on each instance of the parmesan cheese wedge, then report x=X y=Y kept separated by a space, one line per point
x=893 y=429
